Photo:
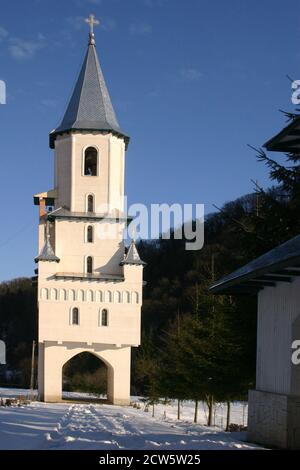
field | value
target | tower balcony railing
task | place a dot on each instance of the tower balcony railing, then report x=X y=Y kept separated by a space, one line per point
x=91 y=277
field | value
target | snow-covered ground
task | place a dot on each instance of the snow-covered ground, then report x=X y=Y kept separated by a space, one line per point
x=239 y=412
x=105 y=427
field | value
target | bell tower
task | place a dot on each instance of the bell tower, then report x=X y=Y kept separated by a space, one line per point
x=89 y=285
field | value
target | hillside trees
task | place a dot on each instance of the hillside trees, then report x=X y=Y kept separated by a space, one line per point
x=18 y=324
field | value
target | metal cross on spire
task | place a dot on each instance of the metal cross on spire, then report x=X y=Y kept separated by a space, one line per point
x=91 y=20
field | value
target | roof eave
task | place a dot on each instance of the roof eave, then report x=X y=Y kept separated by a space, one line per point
x=65 y=215
x=55 y=133
x=54 y=259
x=223 y=287
x=277 y=144
x=132 y=263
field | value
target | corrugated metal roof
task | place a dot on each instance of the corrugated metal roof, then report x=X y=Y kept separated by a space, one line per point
x=287 y=140
x=255 y=274
x=90 y=107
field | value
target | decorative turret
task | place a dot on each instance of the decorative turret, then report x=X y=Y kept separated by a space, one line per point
x=132 y=256
x=47 y=253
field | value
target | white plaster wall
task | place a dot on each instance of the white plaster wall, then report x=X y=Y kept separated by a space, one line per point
x=72 y=248
x=41 y=235
x=107 y=187
x=116 y=174
x=122 y=299
x=123 y=328
x=278 y=307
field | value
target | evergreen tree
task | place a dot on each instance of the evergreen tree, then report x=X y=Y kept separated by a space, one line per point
x=147 y=372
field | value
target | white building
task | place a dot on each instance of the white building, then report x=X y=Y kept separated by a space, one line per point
x=89 y=290
x=274 y=405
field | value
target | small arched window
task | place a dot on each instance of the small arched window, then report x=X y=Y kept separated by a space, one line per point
x=81 y=296
x=75 y=316
x=90 y=296
x=90 y=203
x=118 y=297
x=90 y=234
x=104 y=317
x=44 y=294
x=89 y=265
x=135 y=297
x=99 y=296
x=72 y=294
x=63 y=294
x=108 y=296
x=54 y=294
x=90 y=162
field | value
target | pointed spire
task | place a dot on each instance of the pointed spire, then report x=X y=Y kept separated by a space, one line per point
x=132 y=256
x=90 y=107
x=47 y=253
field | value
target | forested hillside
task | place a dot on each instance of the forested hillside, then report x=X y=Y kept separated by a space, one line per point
x=18 y=327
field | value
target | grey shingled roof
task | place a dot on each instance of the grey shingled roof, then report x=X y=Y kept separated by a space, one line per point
x=90 y=106
x=132 y=256
x=47 y=253
x=276 y=262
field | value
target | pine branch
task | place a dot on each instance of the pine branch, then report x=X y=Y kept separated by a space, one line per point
x=289 y=78
x=258 y=189
x=293 y=157
x=277 y=172
x=290 y=116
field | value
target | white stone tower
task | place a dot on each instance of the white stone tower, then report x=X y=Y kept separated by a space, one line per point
x=89 y=290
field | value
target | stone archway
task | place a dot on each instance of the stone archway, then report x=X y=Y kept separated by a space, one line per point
x=53 y=357
x=84 y=377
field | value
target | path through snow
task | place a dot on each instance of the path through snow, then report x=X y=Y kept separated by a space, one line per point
x=105 y=427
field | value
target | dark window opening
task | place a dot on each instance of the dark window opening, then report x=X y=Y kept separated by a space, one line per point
x=104 y=317
x=90 y=162
x=75 y=316
x=90 y=234
x=90 y=203
x=89 y=265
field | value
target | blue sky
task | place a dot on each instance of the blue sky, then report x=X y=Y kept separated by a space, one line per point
x=192 y=82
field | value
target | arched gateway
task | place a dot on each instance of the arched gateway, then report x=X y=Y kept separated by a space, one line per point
x=82 y=276
x=55 y=357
